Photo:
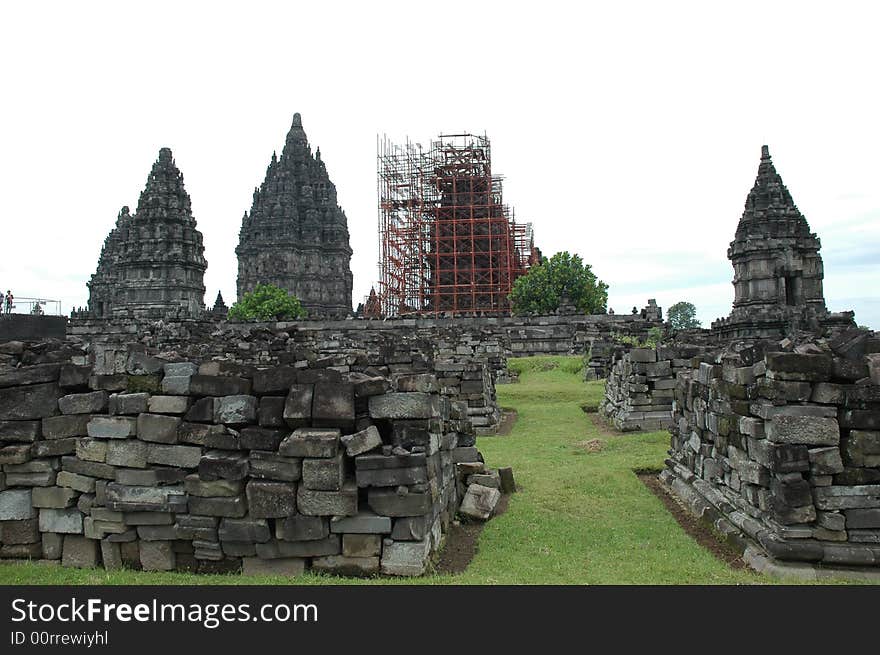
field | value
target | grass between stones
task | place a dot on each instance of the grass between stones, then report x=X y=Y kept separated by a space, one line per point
x=582 y=516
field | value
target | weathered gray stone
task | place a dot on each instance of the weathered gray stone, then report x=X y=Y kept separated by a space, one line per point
x=362 y=523
x=157 y=428
x=181 y=456
x=217 y=385
x=328 y=503
x=362 y=442
x=54 y=497
x=79 y=552
x=311 y=442
x=94 y=402
x=404 y=406
x=92 y=450
x=361 y=545
x=274 y=380
x=862 y=518
x=112 y=427
x=168 y=404
x=15 y=505
x=324 y=474
x=195 y=486
x=250 y=529
x=254 y=438
x=149 y=477
x=74 y=376
x=237 y=410
x=297 y=527
x=145 y=499
x=28 y=403
x=271 y=499
x=82 y=483
x=825 y=461
x=847 y=497
x=29 y=375
x=333 y=405
x=347 y=566
x=862 y=448
x=111 y=555
x=406 y=558
x=269 y=466
x=479 y=502
x=157 y=556
x=176 y=385
x=131 y=453
x=410 y=528
x=15 y=454
x=184 y=369
x=233 y=507
x=391 y=477
x=19 y=431
x=25 y=531
x=216 y=464
x=508 y=483
x=298 y=405
x=53 y=545
x=813 y=431
x=275 y=549
x=270 y=413
x=287 y=567
x=393 y=503
x=62 y=521
x=91 y=469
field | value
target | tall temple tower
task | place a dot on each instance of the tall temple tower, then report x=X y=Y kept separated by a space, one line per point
x=152 y=264
x=777 y=268
x=296 y=235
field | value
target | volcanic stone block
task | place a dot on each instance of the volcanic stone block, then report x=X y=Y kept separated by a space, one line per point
x=324 y=474
x=182 y=456
x=825 y=461
x=780 y=458
x=177 y=385
x=508 y=483
x=311 y=442
x=79 y=552
x=129 y=403
x=328 y=503
x=233 y=507
x=236 y=410
x=131 y=453
x=149 y=477
x=216 y=464
x=65 y=427
x=794 y=366
x=15 y=454
x=286 y=567
x=847 y=497
x=371 y=386
x=19 y=532
x=195 y=486
x=347 y=566
x=466 y=454
x=361 y=545
x=215 y=385
x=862 y=448
x=275 y=549
x=491 y=479
x=158 y=428
x=92 y=450
x=362 y=523
x=391 y=477
x=862 y=518
x=91 y=469
x=111 y=555
x=298 y=405
x=389 y=502
x=94 y=402
x=52 y=545
x=62 y=521
x=54 y=497
x=267 y=465
x=271 y=499
x=812 y=431
x=404 y=406
x=27 y=431
x=29 y=403
x=82 y=483
x=861 y=419
x=72 y=376
x=187 y=369
x=254 y=438
x=202 y=411
x=168 y=404
x=145 y=499
x=479 y=502
x=200 y=434
x=157 y=556
x=302 y=528
x=250 y=529
x=112 y=427
x=15 y=505
x=410 y=528
x=333 y=405
x=274 y=380
x=362 y=442
x=270 y=413
x=29 y=375
x=406 y=558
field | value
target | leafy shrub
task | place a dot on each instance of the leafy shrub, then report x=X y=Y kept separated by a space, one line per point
x=267 y=303
x=543 y=288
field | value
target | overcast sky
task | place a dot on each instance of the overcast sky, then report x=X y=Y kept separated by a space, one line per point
x=629 y=133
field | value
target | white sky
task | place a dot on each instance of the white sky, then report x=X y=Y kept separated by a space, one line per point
x=628 y=132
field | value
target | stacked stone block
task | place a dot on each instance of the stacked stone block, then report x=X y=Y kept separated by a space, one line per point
x=781 y=445
x=640 y=387
x=218 y=466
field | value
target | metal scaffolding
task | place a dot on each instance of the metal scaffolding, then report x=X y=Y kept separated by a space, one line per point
x=449 y=243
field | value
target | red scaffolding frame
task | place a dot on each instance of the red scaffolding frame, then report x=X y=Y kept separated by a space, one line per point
x=449 y=243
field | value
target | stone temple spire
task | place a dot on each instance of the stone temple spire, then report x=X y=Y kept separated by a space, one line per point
x=777 y=267
x=153 y=264
x=296 y=235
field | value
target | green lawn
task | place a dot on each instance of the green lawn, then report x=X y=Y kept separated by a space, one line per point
x=581 y=517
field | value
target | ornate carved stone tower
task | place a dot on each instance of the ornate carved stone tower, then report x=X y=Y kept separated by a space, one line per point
x=777 y=268
x=296 y=235
x=152 y=264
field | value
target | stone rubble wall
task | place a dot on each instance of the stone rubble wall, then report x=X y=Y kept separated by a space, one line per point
x=640 y=386
x=146 y=463
x=780 y=445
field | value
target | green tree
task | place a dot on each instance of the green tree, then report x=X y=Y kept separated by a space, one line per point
x=682 y=316
x=564 y=275
x=267 y=303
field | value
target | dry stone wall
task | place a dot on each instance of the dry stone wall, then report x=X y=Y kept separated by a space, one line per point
x=780 y=445
x=219 y=466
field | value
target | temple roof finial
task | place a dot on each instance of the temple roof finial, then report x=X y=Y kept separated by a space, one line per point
x=297 y=120
x=765 y=152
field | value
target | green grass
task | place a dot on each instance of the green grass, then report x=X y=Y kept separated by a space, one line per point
x=580 y=518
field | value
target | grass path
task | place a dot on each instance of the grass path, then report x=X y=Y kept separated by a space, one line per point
x=581 y=517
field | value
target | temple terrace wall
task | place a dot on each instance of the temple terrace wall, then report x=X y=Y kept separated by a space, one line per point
x=217 y=467
x=780 y=446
